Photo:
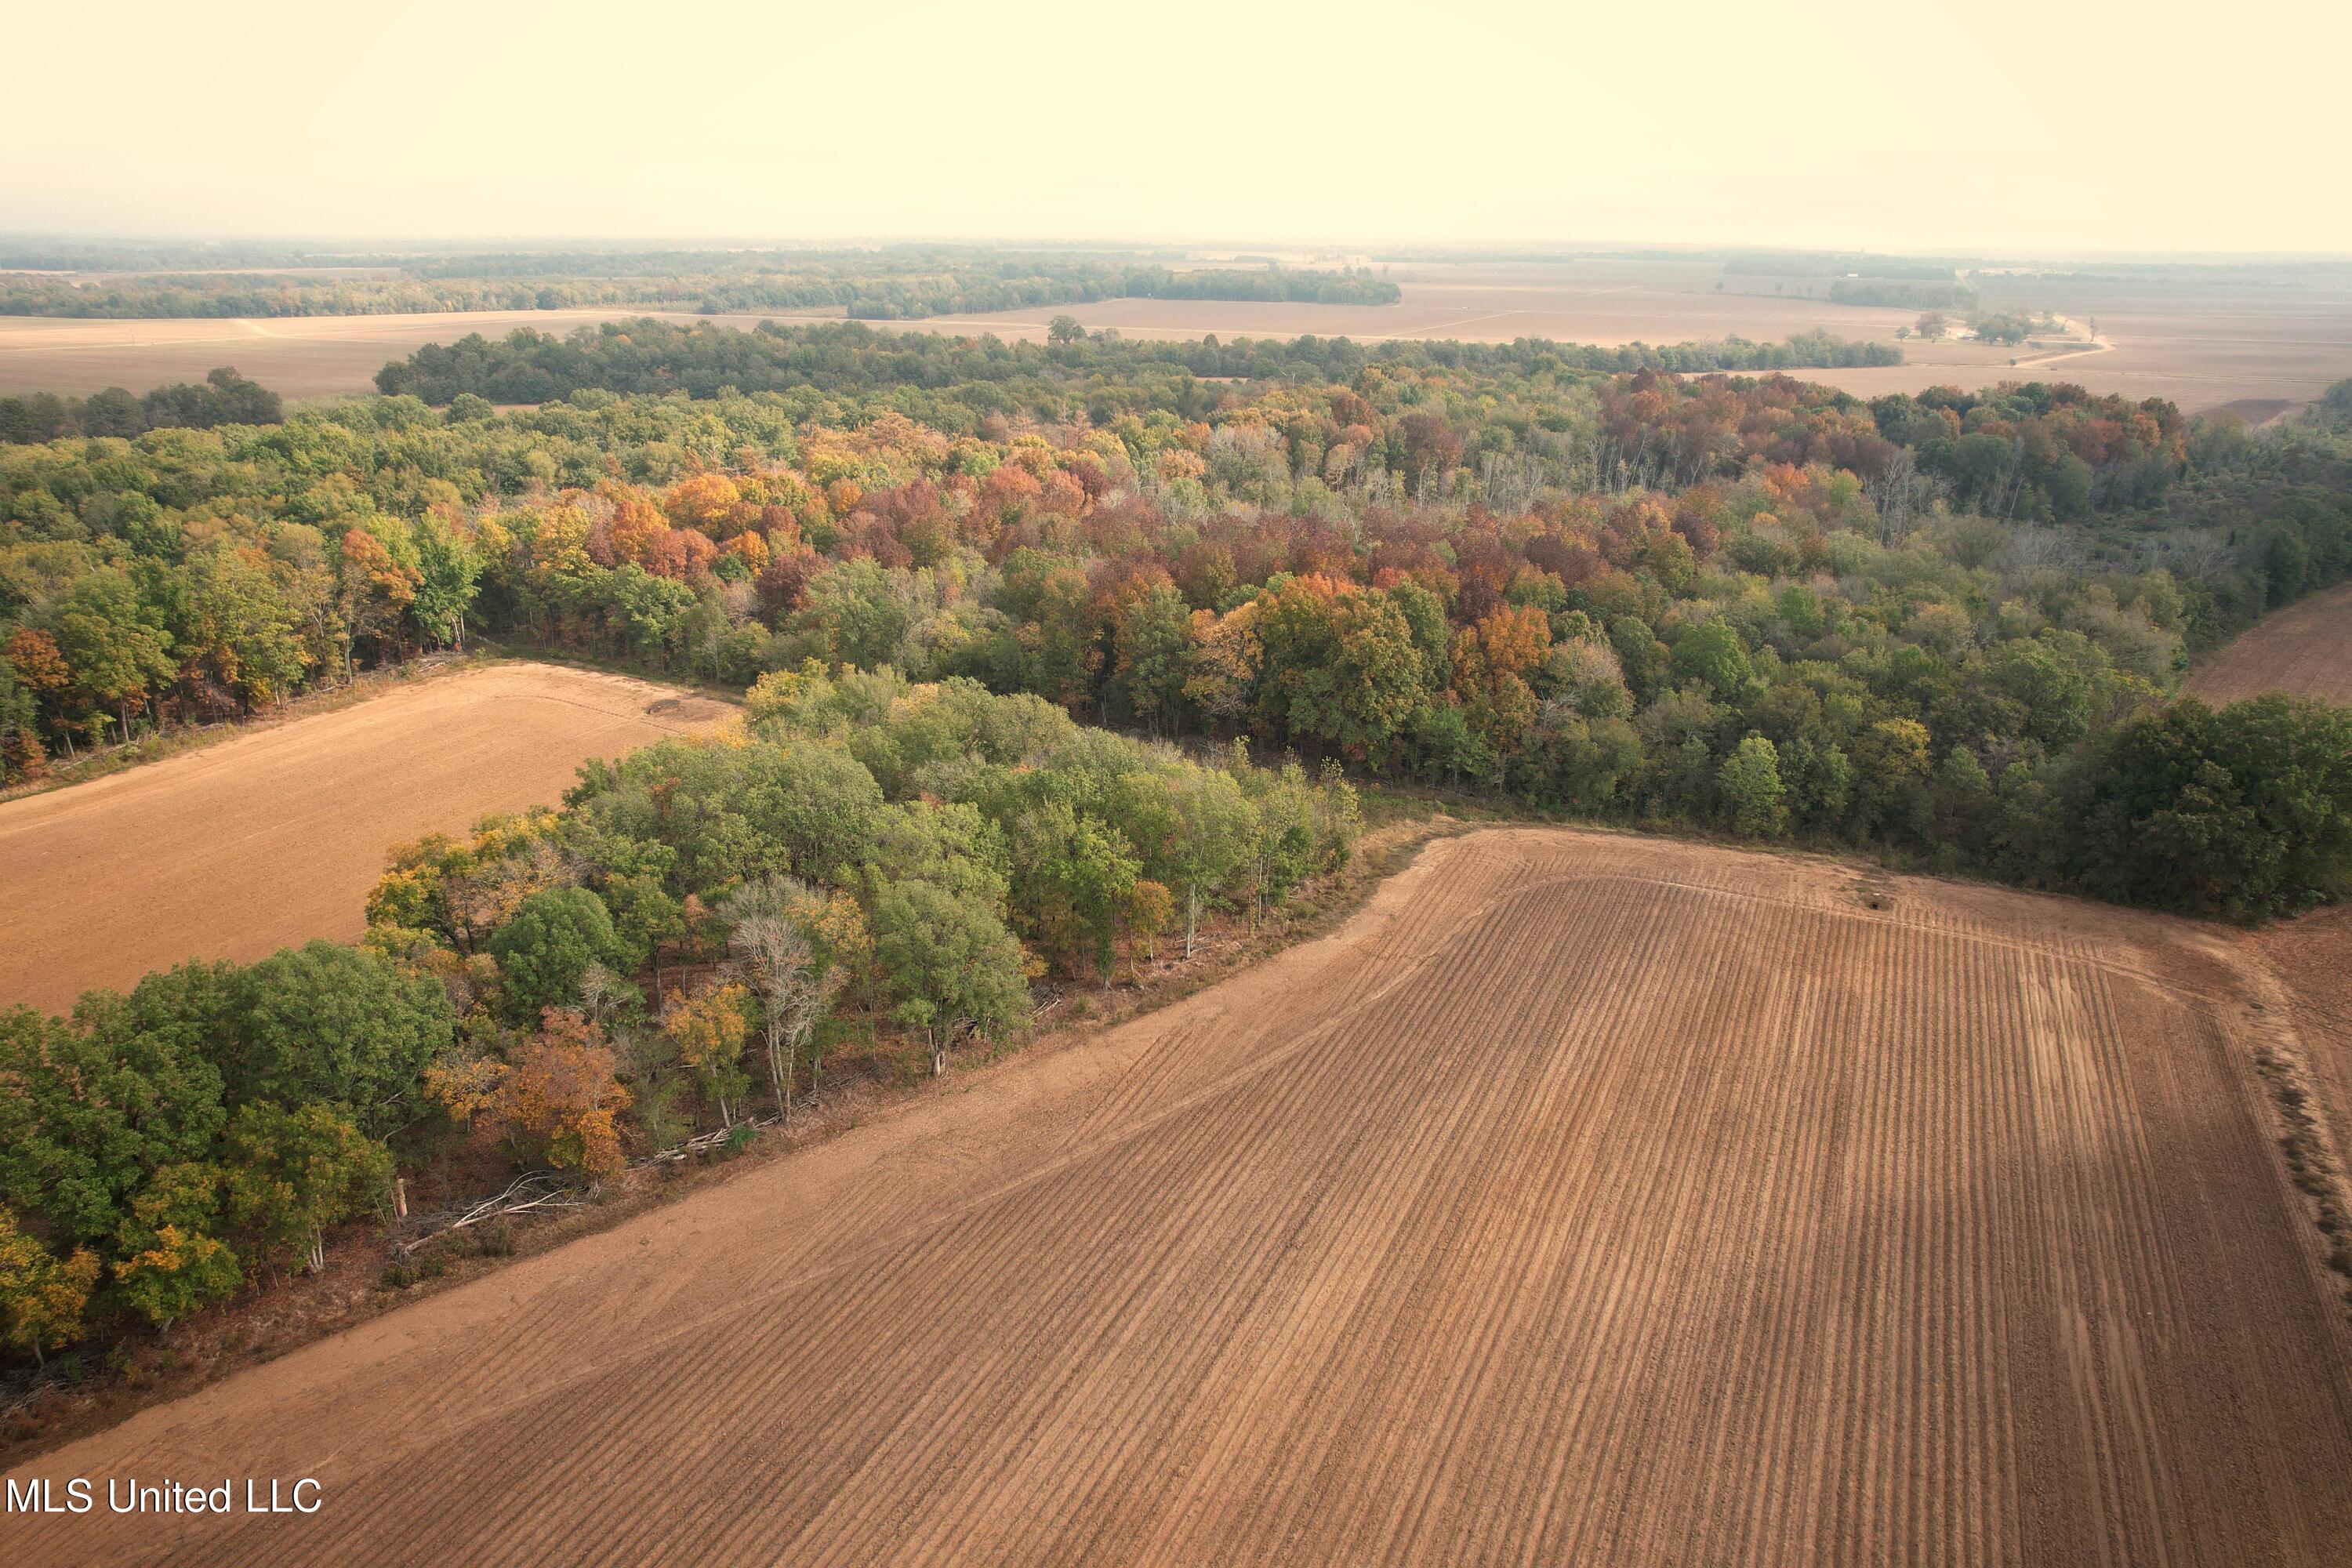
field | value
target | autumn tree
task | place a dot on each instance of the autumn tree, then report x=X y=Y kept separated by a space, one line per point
x=559 y=1098
x=42 y=1296
x=170 y=1261
x=707 y=1030
x=374 y=589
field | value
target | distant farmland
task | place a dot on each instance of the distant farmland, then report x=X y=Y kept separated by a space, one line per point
x=1585 y=1200
x=2203 y=344
x=276 y=837
x=2198 y=342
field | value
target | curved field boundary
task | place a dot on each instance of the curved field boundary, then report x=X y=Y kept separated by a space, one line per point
x=2304 y=649
x=275 y=836
x=1584 y=1199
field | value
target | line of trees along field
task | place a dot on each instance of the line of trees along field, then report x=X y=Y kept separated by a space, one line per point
x=887 y=285
x=1944 y=627
x=224 y=397
x=656 y=957
x=1102 y=373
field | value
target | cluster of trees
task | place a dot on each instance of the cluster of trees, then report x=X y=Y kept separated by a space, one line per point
x=2002 y=327
x=159 y=1147
x=225 y=397
x=892 y=284
x=665 y=953
x=650 y=356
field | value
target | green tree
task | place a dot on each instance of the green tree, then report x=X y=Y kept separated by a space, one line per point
x=1070 y=872
x=948 y=966
x=1339 y=667
x=294 y=1172
x=119 y=653
x=551 y=941
x=769 y=924
x=338 y=1025
x=2245 y=811
x=447 y=569
x=1193 y=827
x=1752 y=790
x=1890 y=763
x=88 y=1109
x=1152 y=659
x=1712 y=653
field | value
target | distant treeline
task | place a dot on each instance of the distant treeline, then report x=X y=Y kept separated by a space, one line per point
x=225 y=397
x=891 y=285
x=1830 y=264
x=1903 y=295
x=654 y=356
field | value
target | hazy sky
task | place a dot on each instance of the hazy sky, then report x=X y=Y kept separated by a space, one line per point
x=2056 y=125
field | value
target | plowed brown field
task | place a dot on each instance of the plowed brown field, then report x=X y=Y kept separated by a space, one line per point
x=1584 y=1199
x=276 y=837
x=2305 y=649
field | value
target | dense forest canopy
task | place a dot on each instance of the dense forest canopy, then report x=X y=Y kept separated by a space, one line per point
x=1672 y=565
x=890 y=284
x=1945 y=628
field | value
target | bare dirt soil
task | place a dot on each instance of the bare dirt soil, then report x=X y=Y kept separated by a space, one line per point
x=276 y=837
x=1584 y=1199
x=2304 y=649
x=294 y=356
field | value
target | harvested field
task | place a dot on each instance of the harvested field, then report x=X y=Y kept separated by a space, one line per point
x=295 y=356
x=2202 y=340
x=2305 y=649
x=275 y=836
x=1584 y=1199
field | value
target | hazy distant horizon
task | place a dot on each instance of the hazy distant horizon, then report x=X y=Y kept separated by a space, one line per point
x=2014 y=128
x=1327 y=250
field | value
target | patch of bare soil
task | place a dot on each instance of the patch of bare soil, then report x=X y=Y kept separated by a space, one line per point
x=2304 y=649
x=1583 y=1199
x=275 y=836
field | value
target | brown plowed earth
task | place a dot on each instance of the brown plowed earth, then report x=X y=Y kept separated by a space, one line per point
x=2304 y=649
x=1584 y=1199
x=275 y=836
